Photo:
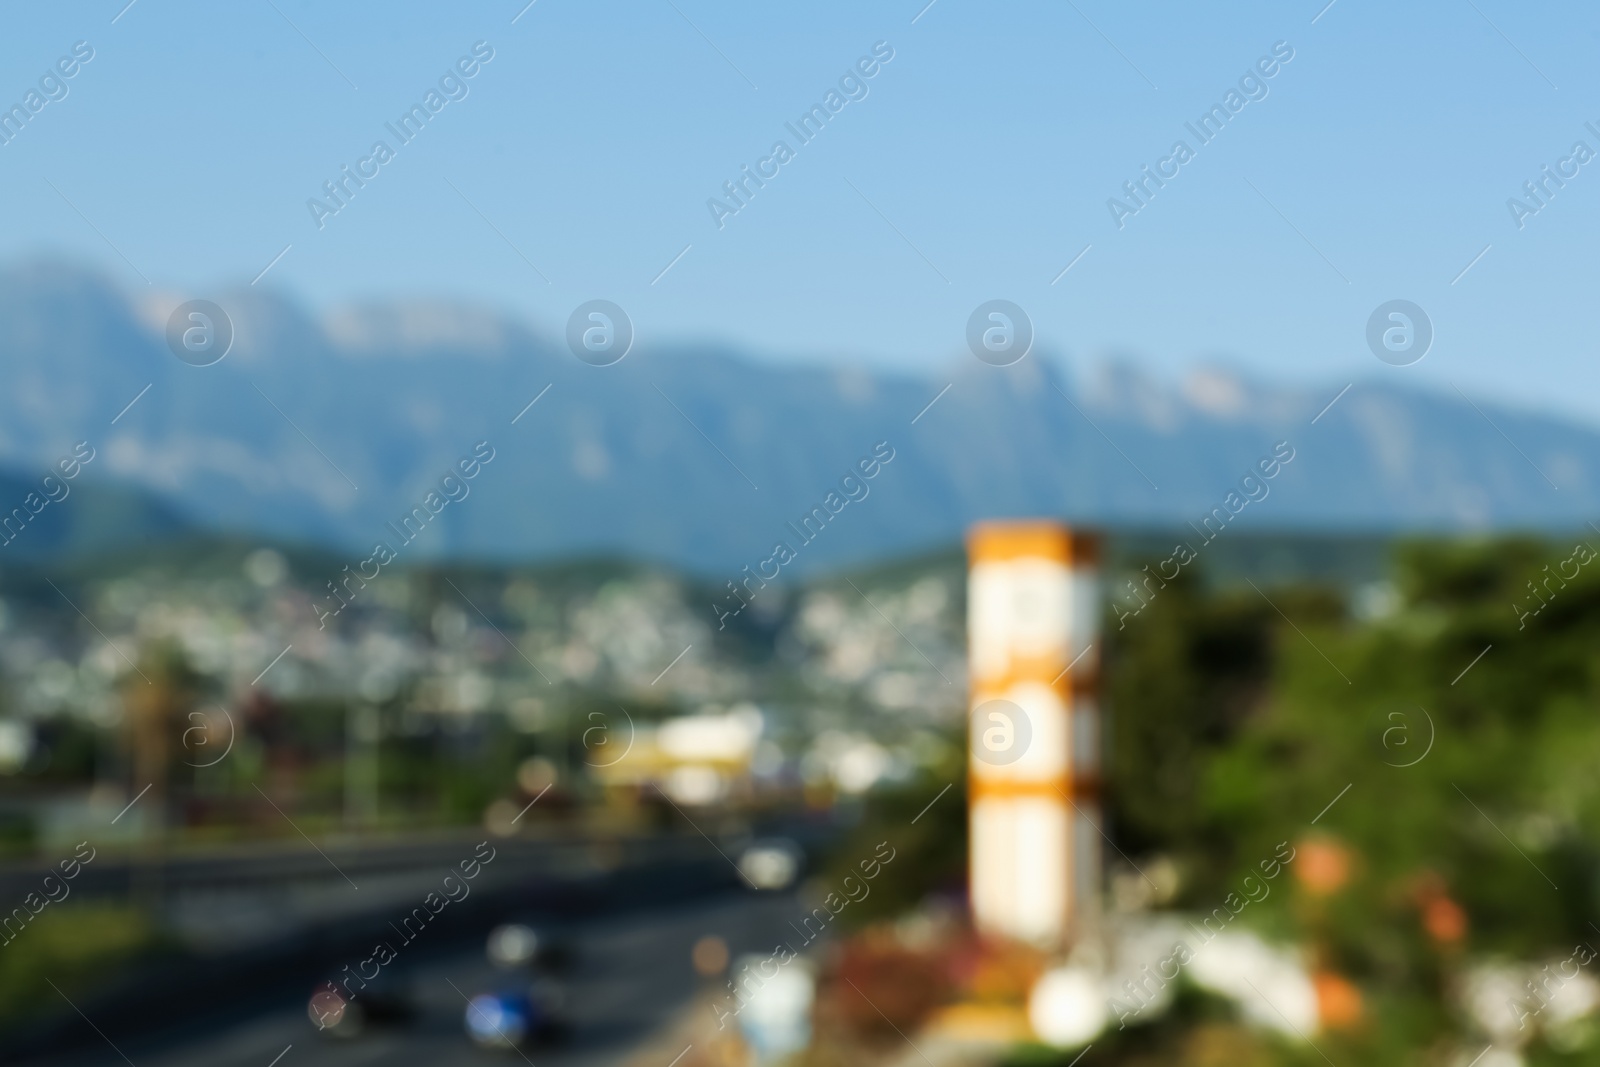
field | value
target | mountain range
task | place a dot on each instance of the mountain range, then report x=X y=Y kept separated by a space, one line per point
x=329 y=429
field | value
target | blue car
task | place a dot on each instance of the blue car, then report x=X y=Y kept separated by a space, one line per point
x=514 y=1016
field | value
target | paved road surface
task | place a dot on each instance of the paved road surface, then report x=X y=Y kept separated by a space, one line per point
x=633 y=975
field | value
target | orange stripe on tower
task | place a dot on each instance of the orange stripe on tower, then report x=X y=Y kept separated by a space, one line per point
x=1001 y=541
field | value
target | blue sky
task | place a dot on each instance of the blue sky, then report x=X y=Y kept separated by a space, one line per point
x=977 y=167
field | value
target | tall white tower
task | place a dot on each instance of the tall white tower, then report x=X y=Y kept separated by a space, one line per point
x=1033 y=630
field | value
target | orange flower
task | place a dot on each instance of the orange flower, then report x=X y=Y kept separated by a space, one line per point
x=1444 y=919
x=1322 y=865
x=1338 y=1000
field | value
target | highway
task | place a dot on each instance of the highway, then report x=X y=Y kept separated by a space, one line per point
x=631 y=977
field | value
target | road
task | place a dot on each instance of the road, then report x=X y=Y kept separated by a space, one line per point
x=631 y=977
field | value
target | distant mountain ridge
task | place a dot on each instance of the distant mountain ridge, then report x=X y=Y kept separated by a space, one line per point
x=96 y=516
x=320 y=431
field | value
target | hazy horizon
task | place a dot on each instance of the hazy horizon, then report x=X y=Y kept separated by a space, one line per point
x=455 y=315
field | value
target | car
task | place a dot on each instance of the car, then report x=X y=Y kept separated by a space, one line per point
x=771 y=863
x=338 y=1011
x=518 y=944
x=516 y=1015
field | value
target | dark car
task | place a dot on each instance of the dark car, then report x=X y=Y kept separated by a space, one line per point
x=344 y=1007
